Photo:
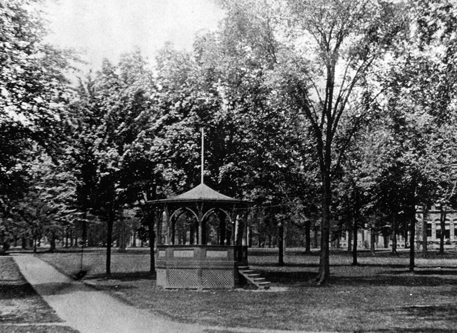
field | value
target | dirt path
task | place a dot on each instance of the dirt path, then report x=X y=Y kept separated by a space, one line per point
x=93 y=311
x=89 y=310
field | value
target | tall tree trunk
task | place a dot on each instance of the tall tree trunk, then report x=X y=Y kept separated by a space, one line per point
x=109 y=240
x=2 y=242
x=394 y=233
x=84 y=233
x=52 y=242
x=122 y=234
x=412 y=227
x=405 y=231
x=424 y=229
x=316 y=236
x=324 y=260
x=35 y=242
x=373 y=241
x=355 y=240
x=152 y=219
x=281 y=244
x=307 y=236
x=442 y=226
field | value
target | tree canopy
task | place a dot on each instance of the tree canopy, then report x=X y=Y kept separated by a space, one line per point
x=337 y=113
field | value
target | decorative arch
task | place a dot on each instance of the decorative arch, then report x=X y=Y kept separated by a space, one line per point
x=214 y=210
x=181 y=211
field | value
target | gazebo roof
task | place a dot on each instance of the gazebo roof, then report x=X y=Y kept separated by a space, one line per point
x=201 y=193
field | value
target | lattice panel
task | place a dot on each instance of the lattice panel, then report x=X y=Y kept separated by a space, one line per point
x=217 y=278
x=183 y=278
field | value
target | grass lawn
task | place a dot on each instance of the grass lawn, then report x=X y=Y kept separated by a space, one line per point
x=21 y=308
x=378 y=295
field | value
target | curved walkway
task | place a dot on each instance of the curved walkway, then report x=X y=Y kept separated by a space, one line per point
x=87 y=309
x=93 y=311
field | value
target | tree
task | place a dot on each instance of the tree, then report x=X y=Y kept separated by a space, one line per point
x=32 y=90
x=245 y=127
x=318 y=55
x=328 y=78
x=420 y=101
x=253 y=124
x=113 y=138
x=32 y=82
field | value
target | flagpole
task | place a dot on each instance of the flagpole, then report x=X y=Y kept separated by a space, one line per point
x=203 y=155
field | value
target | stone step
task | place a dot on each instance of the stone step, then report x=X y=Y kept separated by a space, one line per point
x=254 y=277
x=249 y=271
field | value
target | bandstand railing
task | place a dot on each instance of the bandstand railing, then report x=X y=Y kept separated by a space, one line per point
x=199 y=266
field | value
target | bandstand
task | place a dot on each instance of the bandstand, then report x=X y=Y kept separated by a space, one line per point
x=201 y=239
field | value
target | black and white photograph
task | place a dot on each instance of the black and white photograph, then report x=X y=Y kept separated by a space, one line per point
x=228 y=166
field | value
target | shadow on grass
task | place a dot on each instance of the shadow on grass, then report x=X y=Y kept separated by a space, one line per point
x=48 y=289
x=15 y=291
x=389 y=280
x=291 y=274
x=24 y=305
x=402 y=277
x=316 y=265
x=289 y=277
x=131 y=276
x=437 y=271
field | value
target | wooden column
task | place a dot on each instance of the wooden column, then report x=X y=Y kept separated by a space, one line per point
x=167 y=217
x=159 y=217
x=200 y=223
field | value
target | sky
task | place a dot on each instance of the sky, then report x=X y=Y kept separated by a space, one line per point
x=108 y=28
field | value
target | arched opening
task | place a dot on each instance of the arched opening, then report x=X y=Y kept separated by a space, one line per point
x=217 y=225
x=183 y=227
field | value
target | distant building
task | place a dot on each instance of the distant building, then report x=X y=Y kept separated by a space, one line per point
x=433 y=232
x=434 y=226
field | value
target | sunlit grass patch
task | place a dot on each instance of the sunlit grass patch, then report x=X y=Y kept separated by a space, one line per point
x=379 y=294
